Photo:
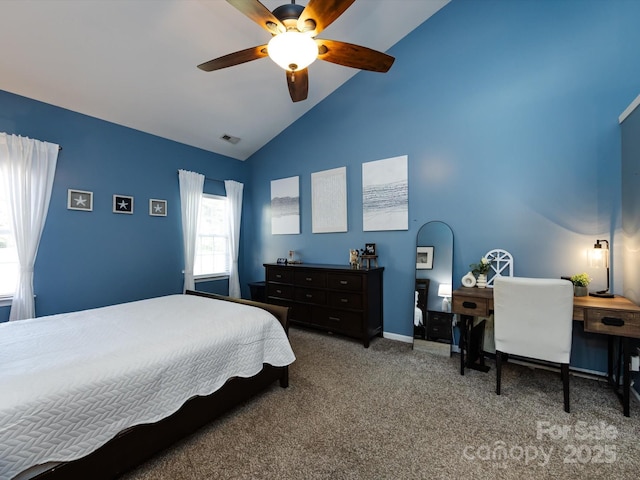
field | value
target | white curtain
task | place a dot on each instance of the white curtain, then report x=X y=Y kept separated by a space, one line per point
x=234 y=197
x=191 y=188
x=27 y=167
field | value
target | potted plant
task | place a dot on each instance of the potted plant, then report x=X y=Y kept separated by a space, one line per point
x=580 y=283
x=480 y=270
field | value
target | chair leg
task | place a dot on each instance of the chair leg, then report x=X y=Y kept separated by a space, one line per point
x=498 y=371
x=564 y=368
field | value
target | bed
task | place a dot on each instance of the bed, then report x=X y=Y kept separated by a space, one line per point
x=92 y=394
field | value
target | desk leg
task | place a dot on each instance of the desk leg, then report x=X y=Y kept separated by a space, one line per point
x=471 y=339
x=462 y=343
x=627 y=376
x=620 y=355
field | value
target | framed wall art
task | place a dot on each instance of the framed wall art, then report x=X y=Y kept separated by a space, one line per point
x=157 y=208
x=79 y=200
x=122 y=204
x=424 y=258
x=385 y=194
x=285 y=206
x=329 y=201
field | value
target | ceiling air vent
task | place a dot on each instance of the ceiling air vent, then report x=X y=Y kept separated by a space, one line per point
x=230 y=139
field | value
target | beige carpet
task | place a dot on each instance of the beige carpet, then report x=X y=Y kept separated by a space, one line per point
x=389 y=412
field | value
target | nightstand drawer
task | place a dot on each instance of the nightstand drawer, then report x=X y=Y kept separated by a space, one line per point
x=317 y=297
x=281 y=275
x=612 y=322
x=477 y=307
x=439 y=326
x=345 y=282
x=310 y=278
x=345 y=300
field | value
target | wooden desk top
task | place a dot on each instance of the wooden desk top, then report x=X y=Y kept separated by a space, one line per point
x=591 y=310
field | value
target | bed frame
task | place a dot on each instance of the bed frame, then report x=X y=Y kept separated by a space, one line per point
x=135 y=445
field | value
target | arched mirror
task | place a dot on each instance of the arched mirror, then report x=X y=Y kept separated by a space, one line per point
x=432 y=323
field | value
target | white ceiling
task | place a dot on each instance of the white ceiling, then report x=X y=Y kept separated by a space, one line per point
x=134 y=63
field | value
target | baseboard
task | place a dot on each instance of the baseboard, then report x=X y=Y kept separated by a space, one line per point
x=399 y=338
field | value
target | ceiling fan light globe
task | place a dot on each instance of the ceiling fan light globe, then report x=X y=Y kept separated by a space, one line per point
x=292 y=50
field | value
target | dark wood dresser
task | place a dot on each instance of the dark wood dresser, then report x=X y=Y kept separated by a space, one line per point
x=335 y=298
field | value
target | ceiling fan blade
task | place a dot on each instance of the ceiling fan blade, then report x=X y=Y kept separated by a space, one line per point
x=354 y=56
x=319 y=14
x=235 y=58
x=298 y=83
x=260 y=14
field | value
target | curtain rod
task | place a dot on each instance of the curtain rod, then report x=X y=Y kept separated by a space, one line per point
x=214 y=179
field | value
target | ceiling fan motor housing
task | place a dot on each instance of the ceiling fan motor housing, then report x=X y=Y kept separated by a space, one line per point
x=290 y=11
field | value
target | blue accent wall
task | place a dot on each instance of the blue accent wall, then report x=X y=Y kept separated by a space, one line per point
x=507 y=111
x=90 y=259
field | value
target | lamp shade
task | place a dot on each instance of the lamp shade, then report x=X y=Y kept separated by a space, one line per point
x=444 y=290
x=599 y=255
x=292 y=50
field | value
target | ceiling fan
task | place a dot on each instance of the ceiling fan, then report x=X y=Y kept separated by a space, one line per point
x=294 y=46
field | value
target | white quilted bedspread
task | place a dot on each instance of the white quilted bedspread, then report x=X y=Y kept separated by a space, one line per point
x=71 y=382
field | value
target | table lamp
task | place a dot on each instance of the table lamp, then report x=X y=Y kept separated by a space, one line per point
x=444 y=290
x=599 y=258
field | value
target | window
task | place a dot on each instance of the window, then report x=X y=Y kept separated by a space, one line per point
x=212 y=240
x=9 y=266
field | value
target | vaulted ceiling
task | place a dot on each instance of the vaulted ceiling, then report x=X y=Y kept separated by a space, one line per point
x=134 y=63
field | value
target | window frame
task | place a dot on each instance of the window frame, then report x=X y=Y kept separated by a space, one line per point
x=204 y=277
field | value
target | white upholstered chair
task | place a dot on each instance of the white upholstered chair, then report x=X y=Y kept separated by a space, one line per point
x=534 y=319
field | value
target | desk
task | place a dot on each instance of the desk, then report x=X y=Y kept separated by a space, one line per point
x=615 y=317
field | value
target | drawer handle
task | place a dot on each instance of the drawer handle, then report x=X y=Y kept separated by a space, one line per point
x=344 y=282
x=612 y=321
x=344 y=300
x=309 y=279
x=278 y=276
x=469 y=305
x=308 y=295
x=278 y=291
x=335 y=319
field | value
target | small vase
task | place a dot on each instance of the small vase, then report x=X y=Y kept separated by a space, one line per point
x=469 y=280
x=580 y=291
x=482 y=280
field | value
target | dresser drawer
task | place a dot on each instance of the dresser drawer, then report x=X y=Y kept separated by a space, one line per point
x=317 y=297
x=345 y=300
x=276 y=290
x=612 y=322
x=281 y=275
x=351 y=282
x=339 y=321
x=477 y=307
x=310 y=278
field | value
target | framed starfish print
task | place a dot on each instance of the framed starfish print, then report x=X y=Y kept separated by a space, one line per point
x=123 y=204
x=157 y=208
x=79 y=200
